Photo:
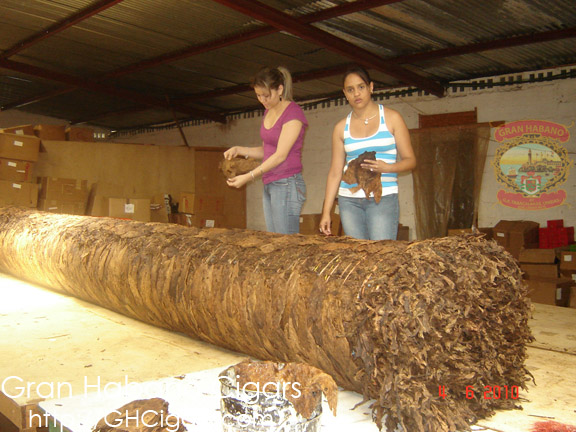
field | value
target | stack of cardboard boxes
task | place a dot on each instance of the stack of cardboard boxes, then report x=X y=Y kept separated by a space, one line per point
x=63 y=195
x=50 y=132
x=79 y=134
x=137 y=209
x=19 y=150
x=568 y=270
x=545 y=268
x=186 y=214
x=542 y=274
x=110 y=200
x=516 y=235
x=201 y=211
x=54 y=132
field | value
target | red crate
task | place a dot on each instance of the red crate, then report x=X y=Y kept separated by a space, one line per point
x=544 y=238
x=557 y=223
x=566 y=236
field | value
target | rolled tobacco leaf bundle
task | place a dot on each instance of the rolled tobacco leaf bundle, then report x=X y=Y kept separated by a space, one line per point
x=411 y=325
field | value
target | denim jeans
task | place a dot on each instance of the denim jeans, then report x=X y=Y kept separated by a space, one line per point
x=283 y=200
x=363 y=218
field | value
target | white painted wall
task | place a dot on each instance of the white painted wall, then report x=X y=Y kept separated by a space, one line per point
x=553 y=101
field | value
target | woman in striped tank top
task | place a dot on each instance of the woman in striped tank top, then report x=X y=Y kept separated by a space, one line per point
x=368 y=128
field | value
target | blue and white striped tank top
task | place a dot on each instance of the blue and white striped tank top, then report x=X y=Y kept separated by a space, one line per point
x=383 y=143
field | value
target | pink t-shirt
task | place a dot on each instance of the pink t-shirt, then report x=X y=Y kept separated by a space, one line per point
x=293 y=163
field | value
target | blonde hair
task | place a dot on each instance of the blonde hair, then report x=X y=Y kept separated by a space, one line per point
x=272 y=79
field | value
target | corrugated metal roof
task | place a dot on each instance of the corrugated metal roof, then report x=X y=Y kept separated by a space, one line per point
x=129 y=63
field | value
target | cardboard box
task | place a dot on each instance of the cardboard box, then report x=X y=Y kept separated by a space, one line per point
x=555 y=291
x=16 y=170
x=197 y=221
x=208 y=205
x=63 y=207
x=310 y=224
x=79 y=134
x=569 y=274
x=403 y=233
x=97 y=205
x=129 y=208
x=541 y=256
x=184 y=219
x=207 y=222
x=63 y=189
x=515 y=235
x=98 y=194
x=538 y=271
x=186 y=202
x=20 y=147
x=160 y=209
x=19 y=194
x=20 y=130
x=568 y=260
x=50 y=132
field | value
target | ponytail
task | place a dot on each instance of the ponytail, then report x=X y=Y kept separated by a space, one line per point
x=273 y=78
x=287 y=93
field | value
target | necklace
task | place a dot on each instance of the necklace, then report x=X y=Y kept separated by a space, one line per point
x=367 y=119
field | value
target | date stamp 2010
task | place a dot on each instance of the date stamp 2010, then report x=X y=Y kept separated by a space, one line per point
x=489 y=392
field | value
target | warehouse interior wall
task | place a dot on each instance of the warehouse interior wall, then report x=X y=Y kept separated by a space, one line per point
x=553 y=101
x=120 y=170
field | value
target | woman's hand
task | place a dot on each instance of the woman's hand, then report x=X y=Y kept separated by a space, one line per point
x=239 y=181
x=232 y=152
x=325 y=224
x=376 y=166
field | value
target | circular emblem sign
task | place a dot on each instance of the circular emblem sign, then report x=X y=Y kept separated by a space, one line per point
x=531 y=163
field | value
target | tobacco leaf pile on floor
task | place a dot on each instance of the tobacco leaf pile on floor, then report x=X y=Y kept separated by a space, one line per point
x=402 y=323
x=310 y=382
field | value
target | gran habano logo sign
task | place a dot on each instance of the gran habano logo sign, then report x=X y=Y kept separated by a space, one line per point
x=532 y=163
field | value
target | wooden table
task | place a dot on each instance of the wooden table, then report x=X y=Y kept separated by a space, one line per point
x=54 y=346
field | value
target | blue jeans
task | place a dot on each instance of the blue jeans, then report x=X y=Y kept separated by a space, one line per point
x=283 y=199
x=363 y=218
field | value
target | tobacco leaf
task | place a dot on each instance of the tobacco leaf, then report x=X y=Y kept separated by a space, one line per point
x=310 y=383
x=236 y=166
x=368 y=181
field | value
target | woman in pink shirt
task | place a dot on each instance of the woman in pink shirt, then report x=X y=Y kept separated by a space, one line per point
x=282 y=132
